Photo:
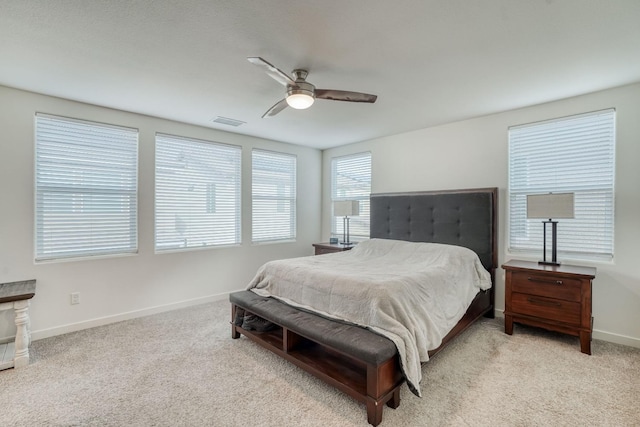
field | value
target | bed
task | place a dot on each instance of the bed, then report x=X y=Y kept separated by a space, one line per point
x=367 y=362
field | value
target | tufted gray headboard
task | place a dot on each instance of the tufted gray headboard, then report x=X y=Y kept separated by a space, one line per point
x=458 y=217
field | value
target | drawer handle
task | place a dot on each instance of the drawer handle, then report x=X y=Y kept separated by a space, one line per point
x=544 y=302
x=553 y=282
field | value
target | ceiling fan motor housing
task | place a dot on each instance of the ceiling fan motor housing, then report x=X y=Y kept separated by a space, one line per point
x=301 y=88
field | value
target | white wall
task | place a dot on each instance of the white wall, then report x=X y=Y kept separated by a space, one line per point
x=122 y=287
x=474 y=153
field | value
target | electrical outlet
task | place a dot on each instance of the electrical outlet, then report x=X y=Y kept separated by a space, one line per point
x=75 y=298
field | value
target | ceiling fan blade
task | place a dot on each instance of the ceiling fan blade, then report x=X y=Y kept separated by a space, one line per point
x=277 y=74
x=343 y=95
x=278 y=106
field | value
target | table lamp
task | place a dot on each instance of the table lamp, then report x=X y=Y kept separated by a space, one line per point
x=346 y=209
x=551 y=205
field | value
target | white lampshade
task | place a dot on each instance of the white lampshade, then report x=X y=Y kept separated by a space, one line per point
x=551 y=205
x=300 y=101
x=346 y=208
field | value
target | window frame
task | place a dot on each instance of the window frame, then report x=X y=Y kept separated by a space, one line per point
x=171 y=225
x=357 y=223
x=556 y=141
x=289 y=186
x=71 y=175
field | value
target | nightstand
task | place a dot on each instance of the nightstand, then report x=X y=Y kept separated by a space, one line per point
x=557 y=298
x=329 y=248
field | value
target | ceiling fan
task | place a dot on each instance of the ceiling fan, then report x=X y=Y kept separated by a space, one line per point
x=300 y=93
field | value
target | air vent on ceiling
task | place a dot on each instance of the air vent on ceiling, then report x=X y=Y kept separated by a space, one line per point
x=228 y=121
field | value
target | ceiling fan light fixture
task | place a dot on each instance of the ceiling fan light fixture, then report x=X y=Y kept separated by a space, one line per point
x=300 y=99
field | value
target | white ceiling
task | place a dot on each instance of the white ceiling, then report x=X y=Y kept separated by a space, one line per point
x=430 y=62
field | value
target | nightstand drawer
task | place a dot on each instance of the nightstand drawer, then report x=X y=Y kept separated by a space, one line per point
x=547 y=286
x=546 y=308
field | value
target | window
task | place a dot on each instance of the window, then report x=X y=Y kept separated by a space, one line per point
x=197 y=193
x=273 y=196
x=351 y=180
x=86 y=189
x=573 y=154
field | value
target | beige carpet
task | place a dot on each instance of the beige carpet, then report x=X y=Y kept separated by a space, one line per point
x=182 y=369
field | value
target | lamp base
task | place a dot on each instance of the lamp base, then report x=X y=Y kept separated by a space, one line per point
x=345 y=232
x=554 y=237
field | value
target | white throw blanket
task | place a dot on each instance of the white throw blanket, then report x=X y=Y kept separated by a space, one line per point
x=411 y=293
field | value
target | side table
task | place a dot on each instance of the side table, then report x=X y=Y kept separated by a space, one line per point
x=556 y=298
x=329 y=248
x=17 y=296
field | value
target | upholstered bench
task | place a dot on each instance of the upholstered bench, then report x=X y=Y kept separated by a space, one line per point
x=357 y=361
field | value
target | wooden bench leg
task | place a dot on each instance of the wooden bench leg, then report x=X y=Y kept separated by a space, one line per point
x=374 y=412
x=234 y=333
x=394 y=402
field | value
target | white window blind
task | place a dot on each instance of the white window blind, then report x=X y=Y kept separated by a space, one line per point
x=351 y=180
x=273 y=196
x=574 y=154
x=86 y=189
x=197 y=193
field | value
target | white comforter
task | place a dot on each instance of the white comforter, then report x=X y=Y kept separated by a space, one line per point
x=411 y=293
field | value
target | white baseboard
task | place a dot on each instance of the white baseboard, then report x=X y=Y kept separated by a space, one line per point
x=601 y=335
x=616 y=338
x=92 y=323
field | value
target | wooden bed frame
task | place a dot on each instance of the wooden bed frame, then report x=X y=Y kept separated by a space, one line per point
x=460 y=217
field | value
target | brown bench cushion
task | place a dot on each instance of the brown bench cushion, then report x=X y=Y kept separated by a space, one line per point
x=355 y=341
